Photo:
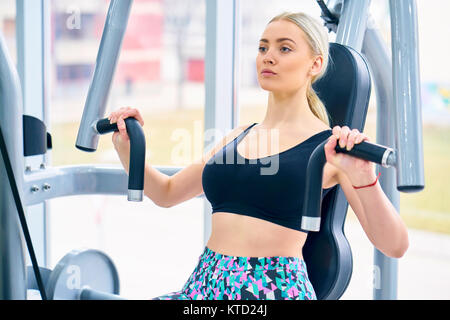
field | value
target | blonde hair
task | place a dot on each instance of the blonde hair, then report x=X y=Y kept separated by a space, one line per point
x=317 y=39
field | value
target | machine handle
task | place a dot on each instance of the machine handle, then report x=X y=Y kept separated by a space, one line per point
x=312 y=207
x=137 y=154
x=369 y=151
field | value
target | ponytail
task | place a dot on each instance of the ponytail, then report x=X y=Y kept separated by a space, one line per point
x=316 y=106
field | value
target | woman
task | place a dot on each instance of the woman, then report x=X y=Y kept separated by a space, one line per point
x=255 y=248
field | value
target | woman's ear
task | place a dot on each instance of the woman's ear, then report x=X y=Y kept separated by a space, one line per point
x=316 y=66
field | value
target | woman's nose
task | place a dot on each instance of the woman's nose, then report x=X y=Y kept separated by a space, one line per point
x=268 y=59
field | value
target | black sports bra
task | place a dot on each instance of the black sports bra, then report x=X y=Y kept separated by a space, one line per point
x=269 y=188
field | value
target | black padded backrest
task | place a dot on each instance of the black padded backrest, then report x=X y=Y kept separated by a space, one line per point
x=345 y=92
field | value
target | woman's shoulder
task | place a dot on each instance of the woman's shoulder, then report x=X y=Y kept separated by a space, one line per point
x=321 y=128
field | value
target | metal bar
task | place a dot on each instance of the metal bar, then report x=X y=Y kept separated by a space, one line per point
x=12 y=259
x=352 y=23
x=406 y=86
x=46 y=102
x=385 y=269
x=31 y=27
x=107 y=57
x=64 y=181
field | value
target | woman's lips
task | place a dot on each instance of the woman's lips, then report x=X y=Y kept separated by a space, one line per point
x=268 y=73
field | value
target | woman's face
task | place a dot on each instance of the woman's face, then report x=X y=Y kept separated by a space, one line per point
x=284 y=51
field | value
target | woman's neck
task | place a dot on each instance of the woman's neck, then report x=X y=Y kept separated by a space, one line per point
x=286 y=110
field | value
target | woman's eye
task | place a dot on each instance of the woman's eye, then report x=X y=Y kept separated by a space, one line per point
x=262 y=49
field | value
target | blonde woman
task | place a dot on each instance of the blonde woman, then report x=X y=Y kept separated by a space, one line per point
x=255 y=248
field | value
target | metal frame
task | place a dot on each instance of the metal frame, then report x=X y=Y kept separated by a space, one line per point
x=399 y=122
x=33 y=25
x=12 y=263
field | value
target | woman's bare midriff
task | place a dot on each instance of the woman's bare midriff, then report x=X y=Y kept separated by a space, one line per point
x=244 y=236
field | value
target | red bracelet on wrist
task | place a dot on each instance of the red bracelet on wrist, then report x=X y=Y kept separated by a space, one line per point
x=369 y=185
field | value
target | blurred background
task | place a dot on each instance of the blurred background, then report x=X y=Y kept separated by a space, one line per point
x=161 y=72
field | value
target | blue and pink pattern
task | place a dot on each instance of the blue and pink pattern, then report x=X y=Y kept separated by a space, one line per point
x=224 y=277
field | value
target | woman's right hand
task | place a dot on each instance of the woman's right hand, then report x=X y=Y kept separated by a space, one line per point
x=120 y=139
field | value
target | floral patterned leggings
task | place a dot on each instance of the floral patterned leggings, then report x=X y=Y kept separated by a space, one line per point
x=223 y=277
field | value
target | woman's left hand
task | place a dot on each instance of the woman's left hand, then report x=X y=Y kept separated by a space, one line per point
x=355 y=168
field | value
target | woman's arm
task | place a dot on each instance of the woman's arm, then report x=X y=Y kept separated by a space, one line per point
x=378 y=217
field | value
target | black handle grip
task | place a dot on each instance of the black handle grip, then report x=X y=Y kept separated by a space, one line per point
x=137 y=153
x=103 y=126
x=365 y=150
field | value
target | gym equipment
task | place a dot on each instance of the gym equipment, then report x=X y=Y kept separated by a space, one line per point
x=359 y=52
x=18 y=202
x=78 y=271
x=86 y=274
x=108 y=54
x=137 y=154
x=91 y=126
x=311 y=213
